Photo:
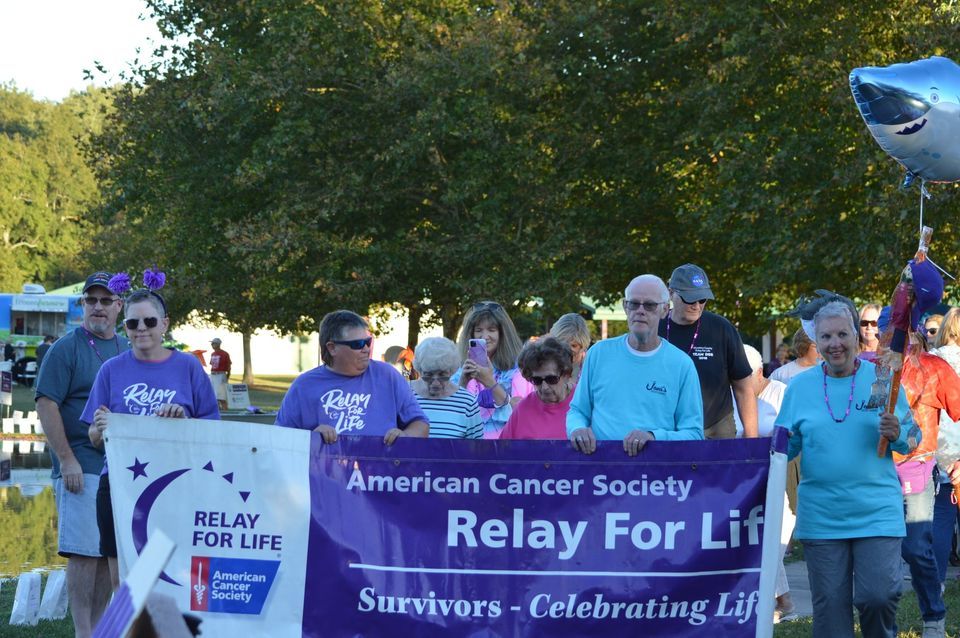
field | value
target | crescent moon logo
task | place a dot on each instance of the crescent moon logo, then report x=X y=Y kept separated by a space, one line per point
x=149 y=496
x=141 y=513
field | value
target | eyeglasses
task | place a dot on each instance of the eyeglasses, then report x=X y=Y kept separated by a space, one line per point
x=932 y=331
x=551 y=379
x=648 y=306
x=148 y=322
x=354 y=344
x=695 y=302
x=103 y=301
x=864 y=323
x=430 y=378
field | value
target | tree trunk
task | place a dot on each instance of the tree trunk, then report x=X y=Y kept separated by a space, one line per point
x=450 y=318
x=413 y=327
x=247 y=360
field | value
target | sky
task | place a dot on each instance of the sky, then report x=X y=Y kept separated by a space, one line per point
x=46 y=44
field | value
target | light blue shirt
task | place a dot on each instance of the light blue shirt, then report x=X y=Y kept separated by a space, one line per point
x=622 y=390
x=846 y=490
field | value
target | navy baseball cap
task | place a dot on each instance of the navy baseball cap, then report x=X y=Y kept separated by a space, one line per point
x=99 y=278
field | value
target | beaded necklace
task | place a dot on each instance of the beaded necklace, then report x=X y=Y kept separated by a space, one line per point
x=696 y=332
x=853 y=383
x=92 y=344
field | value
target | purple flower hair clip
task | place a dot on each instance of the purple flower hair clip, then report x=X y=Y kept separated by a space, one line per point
x=119 y=283
x=154 y=279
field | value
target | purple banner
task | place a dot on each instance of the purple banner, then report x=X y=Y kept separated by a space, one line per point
x=530 y=538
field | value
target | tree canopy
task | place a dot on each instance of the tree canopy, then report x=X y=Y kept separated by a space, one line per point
x=288 y=158
x=47 y=191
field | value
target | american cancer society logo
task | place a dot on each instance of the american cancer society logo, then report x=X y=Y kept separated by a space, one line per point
x=230 y=585
x=227 y=584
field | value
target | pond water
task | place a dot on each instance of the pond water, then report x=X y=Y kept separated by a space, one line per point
x=28 y=514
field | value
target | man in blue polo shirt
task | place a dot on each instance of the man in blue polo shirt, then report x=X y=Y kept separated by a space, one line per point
x=637 y=387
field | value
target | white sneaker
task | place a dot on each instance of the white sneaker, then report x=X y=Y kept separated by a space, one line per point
x=933 y=628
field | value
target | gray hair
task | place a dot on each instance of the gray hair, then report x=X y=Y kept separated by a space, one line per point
x=436 y=354
x=835 y=309
x=571 y=327
x=646 y=279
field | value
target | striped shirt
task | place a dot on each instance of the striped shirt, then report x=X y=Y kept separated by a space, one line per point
x=454 y=417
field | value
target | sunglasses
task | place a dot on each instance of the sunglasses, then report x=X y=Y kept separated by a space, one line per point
x=103 y=301
x=430 y=378
x=487 y=305
x=695 y=302
x=148 y=322
x=551 y=379
x=864 y=323
x=354 y=344
x=648 y=306
x=932 y=331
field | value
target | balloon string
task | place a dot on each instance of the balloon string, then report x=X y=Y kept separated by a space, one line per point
x=923 y=192
x=941 y=269
x=921 y=208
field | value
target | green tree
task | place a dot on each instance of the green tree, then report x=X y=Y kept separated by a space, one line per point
x=398 y=161
x=46 y=189
x=433 y=153
x=728 y=132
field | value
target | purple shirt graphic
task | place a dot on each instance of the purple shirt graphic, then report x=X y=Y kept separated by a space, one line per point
x=129 y=386
x=369 y=404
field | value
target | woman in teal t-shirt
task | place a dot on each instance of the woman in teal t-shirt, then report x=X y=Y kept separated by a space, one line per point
x=850 y=506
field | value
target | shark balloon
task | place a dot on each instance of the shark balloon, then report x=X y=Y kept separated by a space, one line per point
x=913 y=111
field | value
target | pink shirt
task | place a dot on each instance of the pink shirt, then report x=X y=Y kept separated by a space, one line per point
x=534 y=419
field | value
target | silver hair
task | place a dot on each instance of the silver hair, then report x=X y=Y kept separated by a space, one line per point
x=754 y=357
x=436 y=354
x=571 y=327
x=835 y=309
x=664 y=292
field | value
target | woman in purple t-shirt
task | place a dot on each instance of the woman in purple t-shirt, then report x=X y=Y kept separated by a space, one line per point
x=147 y=380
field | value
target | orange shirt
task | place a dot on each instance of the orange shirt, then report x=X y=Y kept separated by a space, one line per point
x=931 y=386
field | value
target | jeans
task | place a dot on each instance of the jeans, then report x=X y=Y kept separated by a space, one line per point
x=861 y=572
x=917 y=550
x=944 y=517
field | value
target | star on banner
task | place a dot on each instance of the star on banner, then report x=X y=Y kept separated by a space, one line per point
x=139 y=469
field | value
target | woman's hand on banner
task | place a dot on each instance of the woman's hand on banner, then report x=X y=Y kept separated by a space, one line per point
x=171 y=411
x=392 y=435
x=328 y=432
x=584 y=440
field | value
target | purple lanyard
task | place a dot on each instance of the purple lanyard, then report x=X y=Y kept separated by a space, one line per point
x=92 y=344
x=696 y=333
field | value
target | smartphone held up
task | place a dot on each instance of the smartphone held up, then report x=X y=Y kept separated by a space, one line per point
x=477 y=352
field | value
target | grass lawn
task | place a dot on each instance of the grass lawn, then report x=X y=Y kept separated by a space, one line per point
x=908 y=617
x=266 y=392
x=46 y=628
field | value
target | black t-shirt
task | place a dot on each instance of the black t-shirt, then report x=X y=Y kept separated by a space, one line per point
x=719 y=358
x=41 y=351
